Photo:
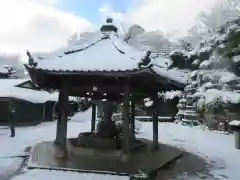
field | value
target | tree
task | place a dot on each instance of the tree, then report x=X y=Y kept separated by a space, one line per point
x=210 y=21
x=133 y=32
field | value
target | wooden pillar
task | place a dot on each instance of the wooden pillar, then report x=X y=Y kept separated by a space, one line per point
x=58 y=132
x=133 y=118
x=44 y=107
x=126 y=123
x=93 y=117
x=63 y=116
x=155 y=125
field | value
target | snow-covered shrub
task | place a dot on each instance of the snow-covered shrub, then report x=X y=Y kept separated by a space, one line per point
x=148 y=102
x=169 y=95
x=180 y=60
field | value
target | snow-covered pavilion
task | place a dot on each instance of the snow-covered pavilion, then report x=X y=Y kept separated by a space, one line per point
x=105 y=67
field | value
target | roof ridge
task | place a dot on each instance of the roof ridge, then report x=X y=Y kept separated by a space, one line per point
x=118 y=49
x=86 y=47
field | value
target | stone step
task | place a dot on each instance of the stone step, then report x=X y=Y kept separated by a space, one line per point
x=190 y=107
x=190 y=111
x=191 y=116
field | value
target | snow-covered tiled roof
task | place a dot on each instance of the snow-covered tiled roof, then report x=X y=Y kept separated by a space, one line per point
x=104 y=53
x=9 y=88
x=160 y=66
x=3 y=70
x=107 y=52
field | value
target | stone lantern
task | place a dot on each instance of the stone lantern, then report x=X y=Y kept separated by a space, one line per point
x=235 y=127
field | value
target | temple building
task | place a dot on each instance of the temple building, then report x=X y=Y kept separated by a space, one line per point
x=108 y=70
x=6 y=71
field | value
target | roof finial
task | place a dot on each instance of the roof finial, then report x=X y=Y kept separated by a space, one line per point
x=109 y=26
x=31 y=60
x=109 y=20
x=146 y=60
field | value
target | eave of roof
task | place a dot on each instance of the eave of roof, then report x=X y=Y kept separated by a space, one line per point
x=119 y=73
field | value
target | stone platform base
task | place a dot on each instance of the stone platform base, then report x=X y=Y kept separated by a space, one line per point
x=43 y=156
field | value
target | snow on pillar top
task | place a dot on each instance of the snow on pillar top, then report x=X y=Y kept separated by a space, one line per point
x=234 y=123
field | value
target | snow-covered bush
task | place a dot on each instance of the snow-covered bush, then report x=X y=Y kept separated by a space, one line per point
x=179 y=59
x=169 y=95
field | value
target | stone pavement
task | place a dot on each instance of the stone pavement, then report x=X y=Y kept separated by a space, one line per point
x=43 y=156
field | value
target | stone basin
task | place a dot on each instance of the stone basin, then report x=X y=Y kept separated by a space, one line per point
x=91 y=140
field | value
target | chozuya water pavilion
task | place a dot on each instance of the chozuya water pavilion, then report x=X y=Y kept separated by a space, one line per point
x=104 y=67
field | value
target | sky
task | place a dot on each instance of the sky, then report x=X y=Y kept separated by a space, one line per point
x=45 y=25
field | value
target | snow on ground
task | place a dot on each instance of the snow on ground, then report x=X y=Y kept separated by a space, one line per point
x=8 y=166
x=217 y=148
x=61 y=175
